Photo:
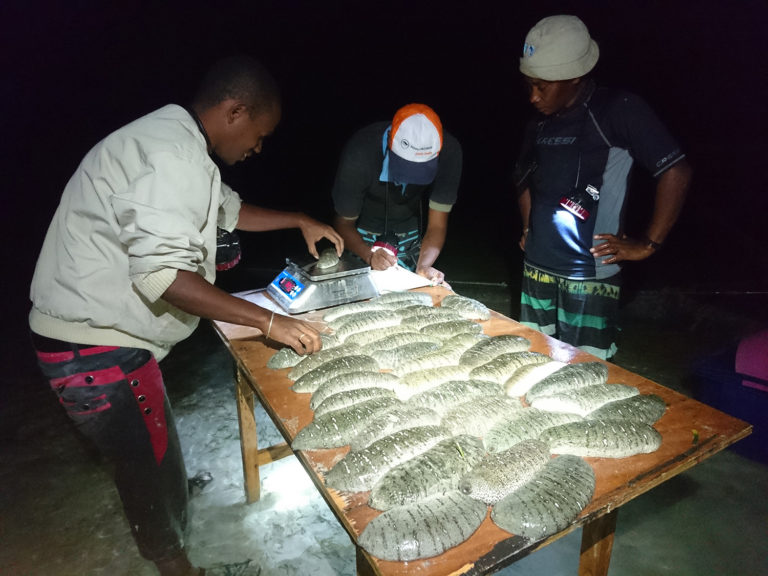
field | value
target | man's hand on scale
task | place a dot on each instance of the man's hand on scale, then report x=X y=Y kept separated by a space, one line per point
x=314 y=231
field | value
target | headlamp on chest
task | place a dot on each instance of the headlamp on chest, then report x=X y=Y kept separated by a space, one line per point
x=387 y=242
x=581 y=203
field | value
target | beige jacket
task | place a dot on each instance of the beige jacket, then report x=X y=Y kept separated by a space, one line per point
x=144 y=203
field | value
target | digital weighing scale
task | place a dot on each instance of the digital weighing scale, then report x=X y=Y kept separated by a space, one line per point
x=304 y=288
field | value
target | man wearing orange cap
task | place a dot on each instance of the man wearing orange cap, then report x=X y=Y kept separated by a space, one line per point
x=572 y=178
x=386 y=172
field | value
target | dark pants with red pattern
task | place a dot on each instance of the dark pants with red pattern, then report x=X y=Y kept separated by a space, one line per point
x=116 y=398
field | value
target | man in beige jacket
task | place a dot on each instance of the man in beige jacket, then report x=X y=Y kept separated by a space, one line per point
x=127 y=269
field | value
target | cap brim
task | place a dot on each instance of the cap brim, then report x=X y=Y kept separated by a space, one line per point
x=407 y=172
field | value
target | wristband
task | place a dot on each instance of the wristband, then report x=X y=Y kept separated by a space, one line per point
x=651 y=244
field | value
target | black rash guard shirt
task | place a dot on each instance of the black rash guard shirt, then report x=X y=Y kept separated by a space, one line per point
x=385 y=206
x=592 y=143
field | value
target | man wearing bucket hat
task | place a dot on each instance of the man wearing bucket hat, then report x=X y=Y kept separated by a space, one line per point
x=385 y=172
x=572 y=176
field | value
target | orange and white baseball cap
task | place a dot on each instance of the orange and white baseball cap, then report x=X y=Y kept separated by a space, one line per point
x=415 y=141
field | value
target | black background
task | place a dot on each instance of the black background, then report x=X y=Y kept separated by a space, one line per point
x=76 y=70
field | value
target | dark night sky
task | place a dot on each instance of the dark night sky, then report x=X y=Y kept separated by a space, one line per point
x=79 y=69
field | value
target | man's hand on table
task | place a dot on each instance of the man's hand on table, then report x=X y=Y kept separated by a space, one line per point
x=297 y=334
x=435 y=276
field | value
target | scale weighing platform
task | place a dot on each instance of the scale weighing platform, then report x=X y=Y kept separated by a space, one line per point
x=304 y=288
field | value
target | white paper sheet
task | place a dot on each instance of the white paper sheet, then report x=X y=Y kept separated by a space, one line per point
x=260 y=298
x=397 y=278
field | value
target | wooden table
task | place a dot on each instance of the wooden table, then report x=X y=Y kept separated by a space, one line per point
x=691 y=432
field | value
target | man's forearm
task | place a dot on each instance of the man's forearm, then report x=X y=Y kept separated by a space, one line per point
x=352 y=239
x=192 y=294
x=671 y=191
x=427 y=256
x=431 y=246
x=434 y=239
x=524 y=204
x=257 y=219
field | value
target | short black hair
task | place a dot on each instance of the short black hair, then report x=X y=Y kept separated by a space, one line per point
x=237 y=77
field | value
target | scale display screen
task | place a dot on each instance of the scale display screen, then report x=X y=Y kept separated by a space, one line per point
x=288 y=285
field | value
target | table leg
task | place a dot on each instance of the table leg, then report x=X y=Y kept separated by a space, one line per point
x=249 y=442
x=364 y=566
x=596 y=545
